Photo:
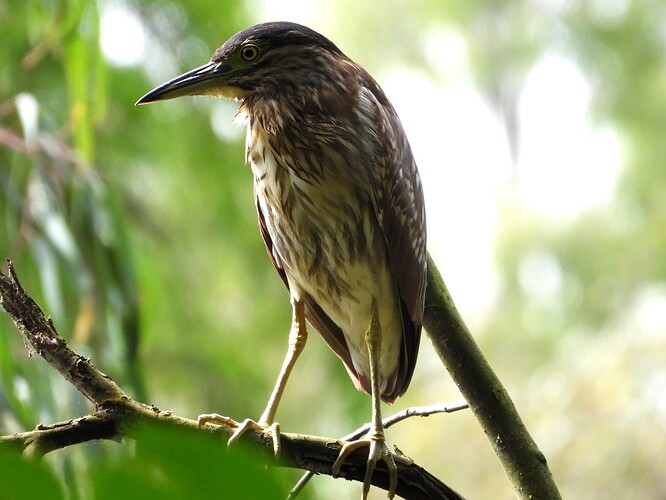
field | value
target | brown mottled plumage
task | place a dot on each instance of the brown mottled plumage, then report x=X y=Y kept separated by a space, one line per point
x=338 y=197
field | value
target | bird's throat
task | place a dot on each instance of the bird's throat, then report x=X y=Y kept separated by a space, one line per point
x=231 y=92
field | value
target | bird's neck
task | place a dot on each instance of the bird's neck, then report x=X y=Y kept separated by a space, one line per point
x=273 y=112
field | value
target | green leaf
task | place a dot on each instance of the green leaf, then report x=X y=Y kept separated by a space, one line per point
x=178 y=464
x=25 y=480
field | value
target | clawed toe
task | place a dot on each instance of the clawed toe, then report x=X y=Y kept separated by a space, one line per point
x=377 y=450
x=248 y=424
x=216 y=419
x=242 y=427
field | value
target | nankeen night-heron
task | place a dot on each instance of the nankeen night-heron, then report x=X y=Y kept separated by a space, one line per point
x=340 y=207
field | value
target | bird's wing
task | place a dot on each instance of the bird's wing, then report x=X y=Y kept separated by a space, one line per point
x=326 y=327
x=401 y=214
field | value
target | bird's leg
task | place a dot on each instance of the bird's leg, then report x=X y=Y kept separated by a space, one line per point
x=297 y=337
x=374 y=440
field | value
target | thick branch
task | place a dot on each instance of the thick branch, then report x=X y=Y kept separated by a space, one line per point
x=522 y=461
x=299 y=451
x=119 y=416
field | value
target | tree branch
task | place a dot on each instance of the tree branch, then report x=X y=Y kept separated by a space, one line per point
x=47 y=438
x=117 y=414
x=120 y=416
x=40 y=333
x=522 y=460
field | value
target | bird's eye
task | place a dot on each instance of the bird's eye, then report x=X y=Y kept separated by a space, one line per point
x=249 y=52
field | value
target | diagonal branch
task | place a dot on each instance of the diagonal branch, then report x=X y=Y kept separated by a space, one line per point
x=522 y=460
x=118 y=416
x=40 y=333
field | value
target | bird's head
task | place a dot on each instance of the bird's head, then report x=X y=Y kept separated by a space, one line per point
x=269 y=58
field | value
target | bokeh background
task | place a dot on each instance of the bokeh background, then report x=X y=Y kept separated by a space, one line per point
x=540 y=130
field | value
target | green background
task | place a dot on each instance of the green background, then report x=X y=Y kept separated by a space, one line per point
x=135 y=229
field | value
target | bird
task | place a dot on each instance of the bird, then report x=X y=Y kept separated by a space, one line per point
x=340 y=207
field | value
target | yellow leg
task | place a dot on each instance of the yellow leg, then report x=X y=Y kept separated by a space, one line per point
x=374 y=440
x=297 y=337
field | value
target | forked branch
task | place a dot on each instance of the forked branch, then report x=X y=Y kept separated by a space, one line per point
x=117 y=415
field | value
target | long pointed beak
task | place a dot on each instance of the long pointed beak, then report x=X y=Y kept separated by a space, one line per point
x=204 y=80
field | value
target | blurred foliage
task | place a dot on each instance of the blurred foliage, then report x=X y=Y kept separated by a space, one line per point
x=166 y=464
x=135 y=229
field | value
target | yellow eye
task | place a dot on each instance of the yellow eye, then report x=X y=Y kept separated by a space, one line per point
x=249 y=52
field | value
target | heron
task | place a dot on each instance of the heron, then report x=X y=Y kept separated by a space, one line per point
x=340 y=208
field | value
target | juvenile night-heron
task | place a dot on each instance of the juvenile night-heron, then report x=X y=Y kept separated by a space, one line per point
x=340 y=207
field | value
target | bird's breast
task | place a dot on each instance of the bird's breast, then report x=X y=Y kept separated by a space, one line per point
x=324 y=233
x=316 y=221
x=318 y=214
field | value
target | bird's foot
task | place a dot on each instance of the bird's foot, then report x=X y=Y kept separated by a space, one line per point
x=378 y=450
x=242 y=427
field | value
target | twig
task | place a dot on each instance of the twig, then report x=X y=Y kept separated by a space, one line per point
x=414 y=411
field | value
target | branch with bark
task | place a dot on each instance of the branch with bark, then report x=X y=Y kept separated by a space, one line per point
x=522 y=460
x=118 y=416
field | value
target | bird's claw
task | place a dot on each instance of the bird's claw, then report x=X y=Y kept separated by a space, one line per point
x=242 y=427
x=217 y=419
x=377 y=450
x=401 y=457
x=249 y=424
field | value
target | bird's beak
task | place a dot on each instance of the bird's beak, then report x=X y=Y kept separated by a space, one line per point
x=209 y=79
